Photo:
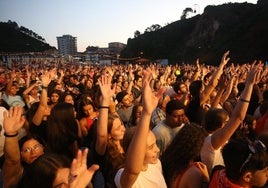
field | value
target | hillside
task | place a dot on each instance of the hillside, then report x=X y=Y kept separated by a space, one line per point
x=18 y=39
x=239 y=27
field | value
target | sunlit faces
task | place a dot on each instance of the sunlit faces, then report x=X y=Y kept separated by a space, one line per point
x=183 y=89
x=152 y=151
x=259 y=178
x=125 y=85
x=127 y=101
x=35 y=90
x=138 y=113
x=88 y=109
x=31 y=150
x=54 y=97
x=69 y=99
x=89 y=83
x=176 y=118
x=13 y=90
x=139 y=82
x=118 y=130
x=118 y=89
x=61 y=180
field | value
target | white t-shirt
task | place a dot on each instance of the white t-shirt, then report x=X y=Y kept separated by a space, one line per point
x=151 y=178
x=209 y=155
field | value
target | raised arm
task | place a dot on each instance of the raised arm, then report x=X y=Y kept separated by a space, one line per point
x=12 y=168
x=27 y=90
x=28 y=79
x=137 y=148
x=38 y=116
x=222 y=135
x=80 y=176
x=102 y=131
x=228 y=90
x=197 y=71
x=222 y=86
x=131 y=79
x=214 y=80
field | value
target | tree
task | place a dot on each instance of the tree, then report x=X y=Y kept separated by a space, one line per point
x=137 y=33
x=153 y=27
x=186 y=12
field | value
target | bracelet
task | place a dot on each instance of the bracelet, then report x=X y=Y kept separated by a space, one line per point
x=44 y=87
x=104 y=107
x=244 y=100
x=13 y=135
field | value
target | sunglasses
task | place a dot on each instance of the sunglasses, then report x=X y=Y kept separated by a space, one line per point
x=254 y=147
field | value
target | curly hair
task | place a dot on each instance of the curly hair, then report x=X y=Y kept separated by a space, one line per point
x=184 y=149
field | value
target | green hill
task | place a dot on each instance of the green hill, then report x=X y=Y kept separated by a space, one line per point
x=20 y=39
x=239 y=27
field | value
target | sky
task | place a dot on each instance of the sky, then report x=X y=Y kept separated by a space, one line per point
x=99 y=22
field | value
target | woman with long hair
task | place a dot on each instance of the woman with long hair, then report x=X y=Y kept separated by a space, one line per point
x=18 y=153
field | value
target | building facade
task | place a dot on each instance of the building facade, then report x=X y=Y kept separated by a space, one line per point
x=116 y=47
x=67 y=45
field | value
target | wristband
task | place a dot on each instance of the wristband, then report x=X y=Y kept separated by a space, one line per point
x=44 y=87
x=103 y=106
x=13 y=135
x=244 y=100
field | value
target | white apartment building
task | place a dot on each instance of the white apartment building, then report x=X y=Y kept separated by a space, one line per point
x=67 y=45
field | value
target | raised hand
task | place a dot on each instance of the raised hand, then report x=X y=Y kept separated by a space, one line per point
x=80 y=176
x=106 y=88
x=203 y=168
x=150 y=100
x=13 y=120
x=46 y=79
x=255 y=73
x=225 y=59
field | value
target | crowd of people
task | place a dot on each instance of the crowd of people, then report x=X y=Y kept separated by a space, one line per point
x=175 y=126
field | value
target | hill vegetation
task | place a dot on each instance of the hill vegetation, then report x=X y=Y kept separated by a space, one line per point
x=20 y=39
x=239 y=27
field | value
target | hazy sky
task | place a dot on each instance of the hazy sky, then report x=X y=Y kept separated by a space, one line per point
x=96 y=23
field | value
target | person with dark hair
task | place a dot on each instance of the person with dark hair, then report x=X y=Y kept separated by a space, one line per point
x=67 y=98
x=179 y=161
x=137 y=87
x=63 y=130
x=125 y=106
x=159 y=113
x=76 y=84
x=18 y=154
x=246 y=164
x=54 y=98
x=11 y=95
x=53 y=170
x=247 y=128
x=88 y=113
x=166 y=130
x=31 y=94
x=38 y=113
x=182 y=92
x=135 y=116
x=110 y=133
x=200 y=93
x=262 y=108
x=221 y=129
x=142 y=167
